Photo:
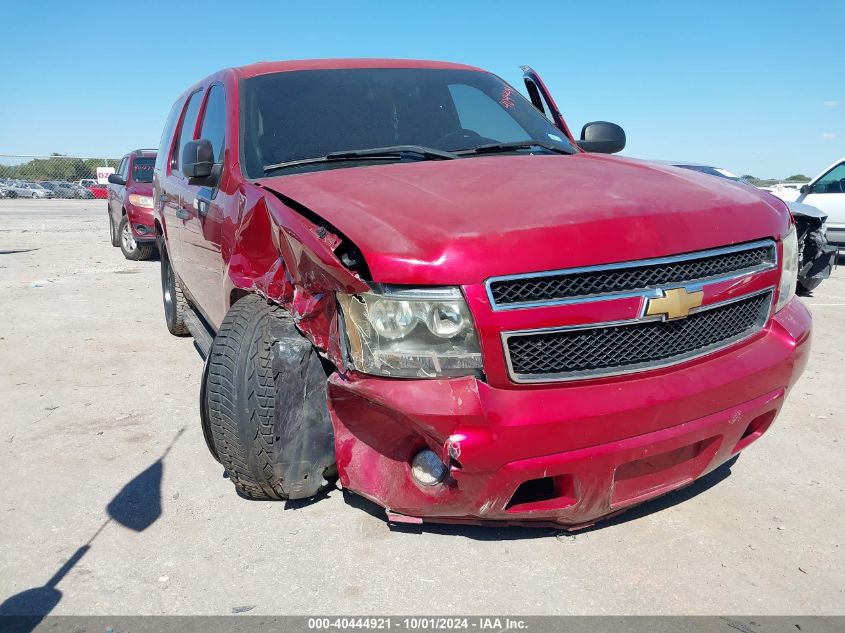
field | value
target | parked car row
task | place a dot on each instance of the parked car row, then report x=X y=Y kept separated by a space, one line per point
x=407 y=276
x=67 y=189
x=99 y=191
x=23 y=189
x=786 y=191
x=49 y=189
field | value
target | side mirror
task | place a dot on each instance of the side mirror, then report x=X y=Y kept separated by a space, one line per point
x=116 y=179
x=602 y=137
x=805 y=189
x=198 y=163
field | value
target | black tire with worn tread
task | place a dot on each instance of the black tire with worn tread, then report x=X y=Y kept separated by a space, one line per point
x=241 y=397
x=175 y=303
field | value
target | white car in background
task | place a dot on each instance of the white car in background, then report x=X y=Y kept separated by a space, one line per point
x=827 y=192
x=786 y=191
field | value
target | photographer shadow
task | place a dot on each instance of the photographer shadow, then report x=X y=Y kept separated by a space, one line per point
x=136 y=507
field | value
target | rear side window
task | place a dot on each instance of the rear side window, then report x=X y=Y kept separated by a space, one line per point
x=214 y=121
x=186 y=132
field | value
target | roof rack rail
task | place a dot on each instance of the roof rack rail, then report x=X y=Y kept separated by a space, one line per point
x=146 y=149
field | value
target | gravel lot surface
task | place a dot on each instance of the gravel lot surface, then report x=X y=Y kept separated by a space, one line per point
x=100 y=420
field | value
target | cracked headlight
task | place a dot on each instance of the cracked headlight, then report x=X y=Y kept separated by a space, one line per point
x=788 y=269
x=410 y=333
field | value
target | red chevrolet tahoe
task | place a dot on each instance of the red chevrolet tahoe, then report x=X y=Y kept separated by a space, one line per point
x=408 y=276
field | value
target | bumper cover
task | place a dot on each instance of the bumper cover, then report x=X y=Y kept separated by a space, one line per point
x=143 y=217
x=587 y=450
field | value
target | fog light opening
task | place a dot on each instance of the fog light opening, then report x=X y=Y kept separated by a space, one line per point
x=427 y=469
x=755 y=429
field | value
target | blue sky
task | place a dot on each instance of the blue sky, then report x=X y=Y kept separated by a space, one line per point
x=757 y=88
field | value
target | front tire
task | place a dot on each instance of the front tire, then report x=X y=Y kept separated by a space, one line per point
x=241 y=398
x=175 y=303
x=132 y=250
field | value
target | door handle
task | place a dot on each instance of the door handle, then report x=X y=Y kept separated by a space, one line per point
x=201 y=204
x=182 y=214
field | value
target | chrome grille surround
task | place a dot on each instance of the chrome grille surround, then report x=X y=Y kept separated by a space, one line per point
x=636 y=278
x=763 y=308
x=762 y=311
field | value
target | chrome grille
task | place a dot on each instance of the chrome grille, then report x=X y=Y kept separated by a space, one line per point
x=609 y=349
x=614 y=279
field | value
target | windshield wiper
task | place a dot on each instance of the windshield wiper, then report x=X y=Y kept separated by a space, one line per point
x=373 y=153
x=427 y=153
x=492 y=148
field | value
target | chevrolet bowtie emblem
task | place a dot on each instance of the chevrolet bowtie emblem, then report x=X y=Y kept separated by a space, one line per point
x=674 y=304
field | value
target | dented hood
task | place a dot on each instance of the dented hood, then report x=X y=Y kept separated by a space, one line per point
x=461 y=221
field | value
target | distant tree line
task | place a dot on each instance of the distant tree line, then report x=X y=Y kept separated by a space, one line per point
x=768 y=182
x=56 y=167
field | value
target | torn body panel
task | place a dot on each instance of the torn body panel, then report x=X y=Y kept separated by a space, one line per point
x=816 y=257
x=286 y=258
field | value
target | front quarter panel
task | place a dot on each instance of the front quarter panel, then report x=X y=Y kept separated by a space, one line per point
x=281 y=255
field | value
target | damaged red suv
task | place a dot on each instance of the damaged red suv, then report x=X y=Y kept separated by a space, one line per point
x=408 y=276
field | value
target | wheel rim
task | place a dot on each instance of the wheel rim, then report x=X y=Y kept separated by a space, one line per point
x=127 y=239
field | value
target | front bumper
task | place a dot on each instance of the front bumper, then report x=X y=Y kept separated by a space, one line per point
x=141 y=222
x=588 y=449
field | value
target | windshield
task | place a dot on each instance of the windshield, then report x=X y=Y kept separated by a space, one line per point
x=142 y=169
x=292 y=116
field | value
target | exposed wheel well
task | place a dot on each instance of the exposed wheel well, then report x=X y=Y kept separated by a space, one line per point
x=236 y=295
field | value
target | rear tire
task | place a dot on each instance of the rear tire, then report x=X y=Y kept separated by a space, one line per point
x=135 y=251
x=241 y=398
x=175 y=303
x=113 y=234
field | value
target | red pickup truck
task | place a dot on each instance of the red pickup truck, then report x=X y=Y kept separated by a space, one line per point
x=407 y=276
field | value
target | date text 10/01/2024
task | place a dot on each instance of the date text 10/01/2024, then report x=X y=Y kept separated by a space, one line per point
x=417 y=623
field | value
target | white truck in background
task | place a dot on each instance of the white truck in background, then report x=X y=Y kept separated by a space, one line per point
x=827 y=192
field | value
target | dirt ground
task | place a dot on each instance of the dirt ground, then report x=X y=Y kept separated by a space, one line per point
x=111 y=504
